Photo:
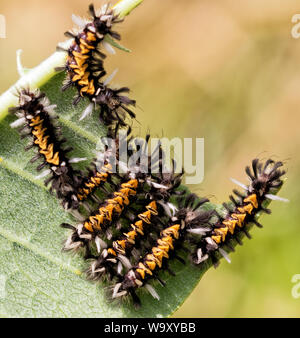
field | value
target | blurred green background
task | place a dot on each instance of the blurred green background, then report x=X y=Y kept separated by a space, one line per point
x=227 y=71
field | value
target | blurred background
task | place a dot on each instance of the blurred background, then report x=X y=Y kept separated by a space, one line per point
x=227 y=71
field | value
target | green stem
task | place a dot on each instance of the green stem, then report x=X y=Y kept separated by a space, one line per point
x=35 y=78
x=41 y=74
x=124 y=7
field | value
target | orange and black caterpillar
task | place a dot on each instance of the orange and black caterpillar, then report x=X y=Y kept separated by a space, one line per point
x=120 y=250
x=137 y=183
x=99 y=221
x=264 y=179
x=104 y=167
x=112 y=208
x=95 y=180
x=85 y=69
x=165 y=248
x=36 y=117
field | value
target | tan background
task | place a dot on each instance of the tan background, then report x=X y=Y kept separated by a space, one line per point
x=227 y=71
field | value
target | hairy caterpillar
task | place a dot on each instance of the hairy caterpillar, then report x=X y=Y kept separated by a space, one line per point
x=93 y=181
x=138 y=182
x=264 y=179
x=98 y=222
x=120 y=250
x=109 y=212
x=36 y=117
x=105 y=166
x=165 y=248
x=85 y=69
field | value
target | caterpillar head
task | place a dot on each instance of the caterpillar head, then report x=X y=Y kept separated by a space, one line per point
x=264 y=177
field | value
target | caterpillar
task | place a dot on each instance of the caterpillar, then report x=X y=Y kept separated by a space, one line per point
x=36 y=117
x=93 y=181
x=166 y=247
x=99 y=221
x=113 y=207
x=264 y=179
x=121 y=247
x=136 y=183
x=85 y=69
x=104 y=167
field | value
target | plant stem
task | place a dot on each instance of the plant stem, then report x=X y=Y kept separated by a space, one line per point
x=41 y=74
x=124 y=7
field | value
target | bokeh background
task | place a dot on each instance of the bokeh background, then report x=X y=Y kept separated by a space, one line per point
x=227 y=71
